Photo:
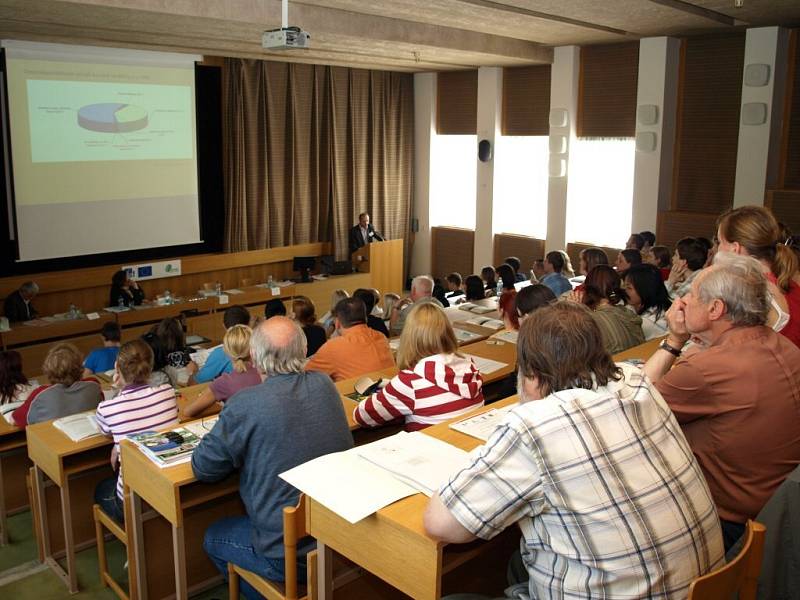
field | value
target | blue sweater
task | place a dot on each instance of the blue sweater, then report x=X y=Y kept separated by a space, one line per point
x=265 y=430
x=217 y=363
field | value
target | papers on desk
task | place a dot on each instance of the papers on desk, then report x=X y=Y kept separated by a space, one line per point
x=474 y=308
x=78 y=427
x=234 y=291
x=116 y=309
x=192 y=340
x=168 y=448
x=481 y=426
x=487 y=322
x=356 y=483
x=485 y=365
x=7 y=410
x=507 y=336
x=462 y=335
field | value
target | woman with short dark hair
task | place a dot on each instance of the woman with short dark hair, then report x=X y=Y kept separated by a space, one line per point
x=124 y=290
x=648 y=298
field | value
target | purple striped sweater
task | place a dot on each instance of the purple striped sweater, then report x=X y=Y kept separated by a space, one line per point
x=137 y=408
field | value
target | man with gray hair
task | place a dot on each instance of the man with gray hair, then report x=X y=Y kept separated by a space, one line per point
x=17 y=306
x=738 y=399
x=421 y=291
x=292 y=417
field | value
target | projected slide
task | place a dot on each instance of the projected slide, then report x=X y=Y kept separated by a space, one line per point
x=74 y=121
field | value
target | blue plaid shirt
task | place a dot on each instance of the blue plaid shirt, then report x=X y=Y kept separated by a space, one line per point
x=608 y=495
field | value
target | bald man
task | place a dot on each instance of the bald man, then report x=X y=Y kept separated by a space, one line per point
x=292 y=417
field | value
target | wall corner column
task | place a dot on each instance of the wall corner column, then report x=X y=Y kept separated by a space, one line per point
x=424 y=126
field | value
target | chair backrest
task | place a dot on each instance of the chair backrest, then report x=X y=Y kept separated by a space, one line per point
x=294 y=529
x=741 y=574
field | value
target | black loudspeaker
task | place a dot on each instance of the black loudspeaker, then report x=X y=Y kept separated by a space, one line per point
x=484 y=151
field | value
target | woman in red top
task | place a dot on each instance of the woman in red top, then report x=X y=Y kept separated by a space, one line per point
x=753 y=231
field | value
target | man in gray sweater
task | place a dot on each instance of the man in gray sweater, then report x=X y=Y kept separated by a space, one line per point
x=290 y=418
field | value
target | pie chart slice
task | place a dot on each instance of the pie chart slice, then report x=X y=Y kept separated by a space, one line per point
x=112 y=117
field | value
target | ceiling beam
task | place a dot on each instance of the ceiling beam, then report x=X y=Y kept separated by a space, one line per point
x=700 y=11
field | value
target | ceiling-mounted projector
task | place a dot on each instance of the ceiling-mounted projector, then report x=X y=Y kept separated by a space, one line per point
x=285 y=38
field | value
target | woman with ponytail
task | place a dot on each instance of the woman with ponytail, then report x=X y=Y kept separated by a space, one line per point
x=236 y=345
x=753 y=231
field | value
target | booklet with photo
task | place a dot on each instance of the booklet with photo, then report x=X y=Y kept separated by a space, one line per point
x=167 y=448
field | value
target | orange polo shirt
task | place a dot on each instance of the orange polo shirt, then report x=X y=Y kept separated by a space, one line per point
x=356 y=351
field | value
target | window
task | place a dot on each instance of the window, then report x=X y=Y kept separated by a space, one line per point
x=600 y=191
x=453 y=180
x=520 y=185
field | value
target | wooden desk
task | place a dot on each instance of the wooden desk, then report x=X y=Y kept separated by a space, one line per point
x=504 y=352
x=392 y=543
x=151 y=313
x=640 y=352
x=14 y=465
x=20 y=333
x=347 y=386
x=75 y=468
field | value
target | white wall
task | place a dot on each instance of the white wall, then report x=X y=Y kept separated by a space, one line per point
x=424 y=124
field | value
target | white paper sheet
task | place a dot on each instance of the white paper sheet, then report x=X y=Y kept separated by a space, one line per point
x=481 y=426
x=485 y=365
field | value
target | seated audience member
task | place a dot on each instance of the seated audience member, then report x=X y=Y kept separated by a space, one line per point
x=438 y=293
x=598 y=496
x=532 y=298
x=737 y=400
x=661 y=257
x=368 y=298
x=14 y=386
x=274 y=308
x=435 y=382
x=389 y=300
x=507 y=307
x=555 y=278
x=289 y=419
x=125 y=289
x=537 y=270
x=176 y=357
x=649 y=239
x=453 y=285
x=159 y=374
x=648 y=298
x=305 y=313
x=473 y=288
x=358 y=350
x=627 y=259
x=421 y=290
x=635 y=242
x=590 y=258
x=602 y=293
x=17 y=306
x=103 y=359
x=689 y=258
x=505 y=273
x=489 y=277
x=218 y=361
x=515 y=264
x=243 y=374
x=753 y=231
x=137 y=407
x=327 y=320
x=66 y=394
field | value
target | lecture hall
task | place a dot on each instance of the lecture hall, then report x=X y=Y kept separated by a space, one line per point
x=430 y=299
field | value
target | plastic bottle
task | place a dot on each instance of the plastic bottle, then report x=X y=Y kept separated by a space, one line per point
x=218 y=289
x=499 y=290
x=73 y=311
x=167 y=297
x=121 y=302
x=269 y=281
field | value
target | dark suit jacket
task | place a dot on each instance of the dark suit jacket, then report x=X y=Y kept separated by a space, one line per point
x=15 y=308
x=356 y=240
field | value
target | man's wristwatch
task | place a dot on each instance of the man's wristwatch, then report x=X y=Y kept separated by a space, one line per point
x=676 y=352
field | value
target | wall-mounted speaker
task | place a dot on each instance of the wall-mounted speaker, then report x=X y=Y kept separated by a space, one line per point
x=484 y=151
x=646 y=141
x=559 y=117
x=558 y=167
x=756 y=75
x=754 y=113
x=558 y=144
x=647 y=114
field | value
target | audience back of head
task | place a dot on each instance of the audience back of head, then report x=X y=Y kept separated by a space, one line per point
x=649 y=286
x=351 y=311
x=427 y=332
x=473 y=288
x=603 y=283
x=590 y=258
x=236 y=315
x=236 y=344
x=135 y=362
x=304 y=310
x=278 y=347
x=531 y=298
x=274 y=308
x=63 y=364
x=693 y=252
x=11 y=375
x=507 y=276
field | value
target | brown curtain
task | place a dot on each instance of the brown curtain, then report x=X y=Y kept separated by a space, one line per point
x=457 y=102
x=526 y=100
x=307 y=148
x=608 y=83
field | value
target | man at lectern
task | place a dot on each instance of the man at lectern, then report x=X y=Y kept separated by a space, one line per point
x=363 y=233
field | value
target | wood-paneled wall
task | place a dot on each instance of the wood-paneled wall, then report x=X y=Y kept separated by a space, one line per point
x=526 y=249
x=452 y=249
x=89 y=288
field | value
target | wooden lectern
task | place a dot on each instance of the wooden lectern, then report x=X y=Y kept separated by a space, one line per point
x=384 y=262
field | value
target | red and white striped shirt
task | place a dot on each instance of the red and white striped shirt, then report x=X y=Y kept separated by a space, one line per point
x=439 y=388
x=135 y=409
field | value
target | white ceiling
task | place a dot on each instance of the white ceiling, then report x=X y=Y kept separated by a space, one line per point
x=402 y=35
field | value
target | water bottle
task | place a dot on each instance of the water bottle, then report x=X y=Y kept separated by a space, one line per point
x=269 y=281
x=499 y=290
x=218 y=289
x=73 y=311
x=121 y=302
x=167 y=297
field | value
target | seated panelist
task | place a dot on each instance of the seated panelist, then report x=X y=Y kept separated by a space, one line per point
x=124 y=290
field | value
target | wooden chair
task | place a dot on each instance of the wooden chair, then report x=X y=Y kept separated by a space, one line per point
x=294 y=529
x=740 y=575
x=101 y=521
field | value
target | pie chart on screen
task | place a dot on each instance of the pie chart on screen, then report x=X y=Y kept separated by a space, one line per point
x=112 y=117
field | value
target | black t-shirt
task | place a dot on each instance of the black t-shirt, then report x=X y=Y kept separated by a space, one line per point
x=315 y=337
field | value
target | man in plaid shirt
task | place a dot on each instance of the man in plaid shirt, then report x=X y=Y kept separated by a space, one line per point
x=594 y=469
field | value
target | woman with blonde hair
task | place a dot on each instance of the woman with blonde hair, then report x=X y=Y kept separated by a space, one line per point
x=753 y=231
x=328 y=320
x=236 y=345
x=435 y=382
x=389 y=300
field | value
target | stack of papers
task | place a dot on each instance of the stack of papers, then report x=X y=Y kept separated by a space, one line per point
x=78 y=427
x=481 y=426
x=507 y=336
x=474 y=308
x=462 y=335
x=487 y=322
x=486 y=365
x=356 y=483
